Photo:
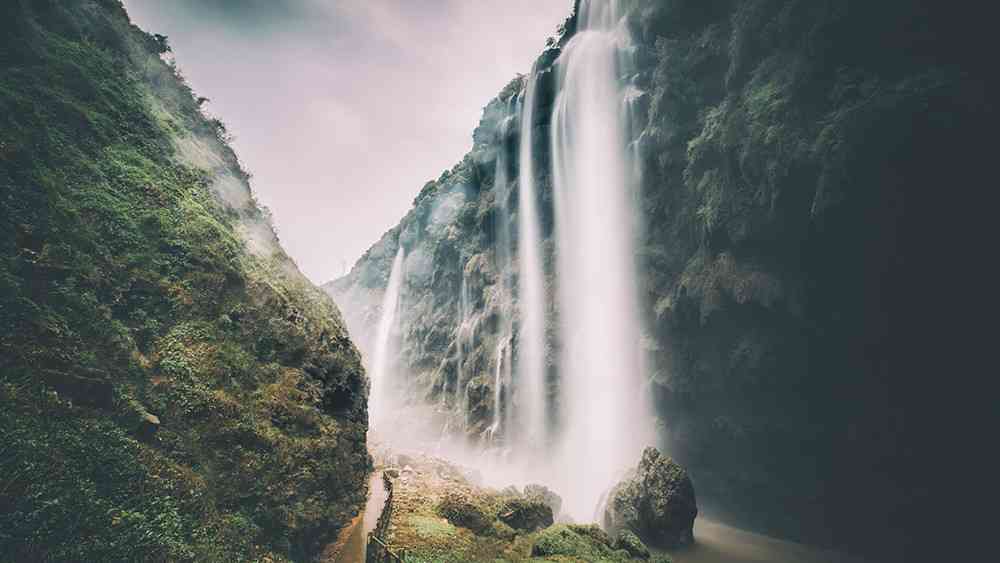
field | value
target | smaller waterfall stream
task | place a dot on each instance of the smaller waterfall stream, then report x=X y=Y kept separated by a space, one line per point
x=462 y=339
x=380 y=368
x=498 y=386
x=503 y=253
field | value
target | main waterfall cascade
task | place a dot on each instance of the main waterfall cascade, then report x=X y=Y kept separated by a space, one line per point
x=531 y=284
x=578 y=436
x=604 y=415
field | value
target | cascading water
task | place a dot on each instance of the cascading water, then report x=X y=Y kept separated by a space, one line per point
x=497 y=391
x=601 y=422
x=503 y=263
x=462 y=340
x=380 y=378
x=531 y=298
x=603 y=414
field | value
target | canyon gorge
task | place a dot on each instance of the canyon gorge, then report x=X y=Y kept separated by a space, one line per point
x=692 y=295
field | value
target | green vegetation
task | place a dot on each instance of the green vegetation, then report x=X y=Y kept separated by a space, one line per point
x=467 y=511
x=568 y=541
x=138 y=276
x=571 y=542
x=440 y=516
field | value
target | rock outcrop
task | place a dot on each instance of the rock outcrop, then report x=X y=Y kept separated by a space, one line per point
x=631 y=544
x=526 y=513
x=546 y=495
x=656 y=502
x=466 y=511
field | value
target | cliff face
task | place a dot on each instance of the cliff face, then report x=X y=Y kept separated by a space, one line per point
x=449 y=236
x=172 y=388
x=795 y=156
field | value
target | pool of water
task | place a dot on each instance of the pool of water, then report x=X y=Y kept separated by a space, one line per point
x=718 y=543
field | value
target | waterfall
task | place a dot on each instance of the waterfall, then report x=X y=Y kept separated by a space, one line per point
x=464 y=308
x=468 y=325
x=378 y=407
x=497 y=392
x=603 y=415
x=599 y=422
x=531 y=338
x=503 y=251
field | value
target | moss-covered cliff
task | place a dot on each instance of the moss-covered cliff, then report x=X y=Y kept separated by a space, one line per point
x=807 y=168
x=171 y=387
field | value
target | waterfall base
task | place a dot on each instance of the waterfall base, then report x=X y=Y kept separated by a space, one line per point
x=477 y=529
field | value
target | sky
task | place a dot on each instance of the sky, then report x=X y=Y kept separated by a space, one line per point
x=343 y=109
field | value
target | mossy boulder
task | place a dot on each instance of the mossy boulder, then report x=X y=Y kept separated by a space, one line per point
x=592 y=531
x=546 y=495
x=575 y=542
x=526 y=513
x=630 y=543
x=463 y=510
x=657 y=502
x=587 y=543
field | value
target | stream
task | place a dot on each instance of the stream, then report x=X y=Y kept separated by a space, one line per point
x=350 y=548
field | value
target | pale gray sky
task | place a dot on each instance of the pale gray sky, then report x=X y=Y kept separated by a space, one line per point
x=343 y=109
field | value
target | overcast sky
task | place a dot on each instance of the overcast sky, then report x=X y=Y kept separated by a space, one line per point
x=343 y=109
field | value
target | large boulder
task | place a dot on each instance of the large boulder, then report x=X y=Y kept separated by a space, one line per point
x=578 y=543
x=656 y=501
x=526 y=513
x=461 y=509
x=546 y=495
x=631 y=544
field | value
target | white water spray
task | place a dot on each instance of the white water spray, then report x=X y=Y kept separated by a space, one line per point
x=603 y=421
x=461 y=341
x=378 y=408
x=603 y=415
x=531 y=338
x=498 y=385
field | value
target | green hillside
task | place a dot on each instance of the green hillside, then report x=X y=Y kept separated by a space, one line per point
x=139 y=278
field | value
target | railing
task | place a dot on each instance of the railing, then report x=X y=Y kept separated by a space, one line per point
x=378 y=550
